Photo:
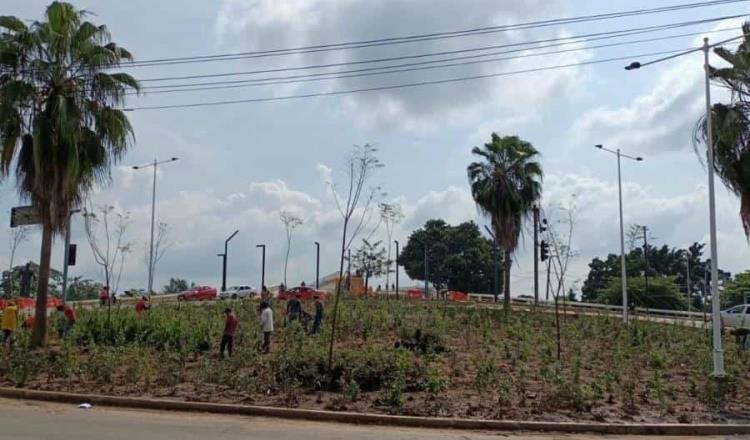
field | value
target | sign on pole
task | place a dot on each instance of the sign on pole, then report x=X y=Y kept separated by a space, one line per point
x=24 y=215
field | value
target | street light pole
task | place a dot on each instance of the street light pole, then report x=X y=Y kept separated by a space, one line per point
x=396 y=242
x=224 y=264
x=687 y=279
x=262 y=266
x=317 y=265
x=154 y=164
x=718 y=354
x=536 y=255
x=623 y=271
x=426 y=273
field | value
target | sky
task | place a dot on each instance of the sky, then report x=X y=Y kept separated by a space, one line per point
x=240 y=165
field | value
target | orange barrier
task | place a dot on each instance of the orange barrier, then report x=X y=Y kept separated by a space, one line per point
x=415 y=294
x=455 y=295
x=30 y=303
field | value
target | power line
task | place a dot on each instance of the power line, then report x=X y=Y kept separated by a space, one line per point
x=396 y=86
x=430 y=36
x=583 y=37
x=383 y=70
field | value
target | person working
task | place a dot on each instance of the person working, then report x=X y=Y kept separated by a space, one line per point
x=230 y=329
x=318 y=314
x=10 y=321
x=293 y=308
x=141 y=306
x=103 y=296
x=70 y=318
x=266 y=324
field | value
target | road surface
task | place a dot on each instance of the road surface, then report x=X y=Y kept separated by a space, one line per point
x=27 y=420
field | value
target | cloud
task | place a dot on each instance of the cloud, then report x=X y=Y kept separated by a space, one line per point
x=263 y=24
x=663 y=118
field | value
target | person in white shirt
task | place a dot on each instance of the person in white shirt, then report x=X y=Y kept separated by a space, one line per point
x=266 y=324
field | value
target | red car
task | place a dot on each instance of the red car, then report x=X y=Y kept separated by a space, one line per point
x=415 y=293
x=305 y=293
x=199 y=293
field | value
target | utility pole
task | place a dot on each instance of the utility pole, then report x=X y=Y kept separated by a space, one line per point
x=317 y=265
x=426 y=273
x=645 y=257
x=396 y=242
x=66 y=256
x=262 y=266
x=687 y=279
x=546 y=296
x=536 y=255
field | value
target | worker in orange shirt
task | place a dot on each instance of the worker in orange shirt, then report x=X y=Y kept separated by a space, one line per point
x=70 y=318
x=141 y=306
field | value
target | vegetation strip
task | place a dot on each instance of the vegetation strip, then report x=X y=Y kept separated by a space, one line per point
x=376 y=419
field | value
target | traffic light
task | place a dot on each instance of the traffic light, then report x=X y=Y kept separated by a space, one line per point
x=543 y=250
x=72 y=254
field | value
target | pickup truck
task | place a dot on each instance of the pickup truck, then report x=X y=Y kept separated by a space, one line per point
x=736 y=317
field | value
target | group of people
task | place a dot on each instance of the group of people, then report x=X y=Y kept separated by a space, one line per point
x=294 y=312
x=9 y=323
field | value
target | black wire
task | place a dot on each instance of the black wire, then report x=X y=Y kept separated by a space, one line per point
x=290 y=79
x=591 y=37
x=429 y=36
x=396 y=86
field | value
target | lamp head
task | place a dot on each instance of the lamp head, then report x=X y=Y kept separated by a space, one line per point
x=639 y=159
x=600 y=146
x=633 y=66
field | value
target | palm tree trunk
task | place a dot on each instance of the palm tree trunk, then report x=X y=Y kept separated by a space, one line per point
x=39 y=334
x=745 y=212
x=506 y=283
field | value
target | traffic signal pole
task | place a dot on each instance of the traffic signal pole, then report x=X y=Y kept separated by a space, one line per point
x=536 y=255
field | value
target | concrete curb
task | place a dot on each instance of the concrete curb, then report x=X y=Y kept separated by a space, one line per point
x=376 y=419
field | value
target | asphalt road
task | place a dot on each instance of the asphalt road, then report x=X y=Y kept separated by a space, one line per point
x=26 y=420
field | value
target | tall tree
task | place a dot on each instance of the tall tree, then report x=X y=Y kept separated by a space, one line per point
x=291 y=222
x=505 y=184
x=459 y=257
x=60 y=119
x=731 y=124
x=106 y=236
x=354 y=204
x=663 y=261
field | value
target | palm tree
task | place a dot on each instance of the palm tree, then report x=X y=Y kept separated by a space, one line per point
x=60 y=122
x=506 y=184
x=731 y=124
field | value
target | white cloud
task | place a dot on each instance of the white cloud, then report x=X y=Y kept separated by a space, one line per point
x=663 y=118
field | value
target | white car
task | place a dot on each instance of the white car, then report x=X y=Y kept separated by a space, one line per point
x=736 y=317
x=236 y=292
